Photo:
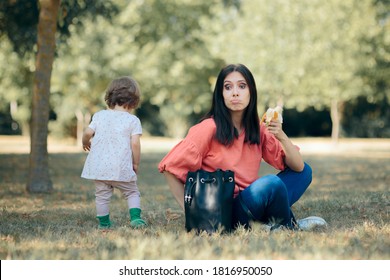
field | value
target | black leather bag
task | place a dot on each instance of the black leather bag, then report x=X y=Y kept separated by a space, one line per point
x=208 y=200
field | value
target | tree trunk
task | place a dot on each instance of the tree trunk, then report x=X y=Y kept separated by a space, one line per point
x=335 y=117
x=39 y=178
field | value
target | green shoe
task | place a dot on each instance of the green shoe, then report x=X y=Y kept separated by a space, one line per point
x=104 y=222
x=100 y=227
x=139 y=223
x=135 y=218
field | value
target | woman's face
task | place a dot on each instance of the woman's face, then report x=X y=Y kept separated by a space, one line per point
x=236 y=93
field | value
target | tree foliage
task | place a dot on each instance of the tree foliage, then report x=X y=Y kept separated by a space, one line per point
x=18 y=22
x=160 y=44
x=304 y=54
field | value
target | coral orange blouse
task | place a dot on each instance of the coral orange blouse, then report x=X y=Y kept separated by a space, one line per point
x=201 y=150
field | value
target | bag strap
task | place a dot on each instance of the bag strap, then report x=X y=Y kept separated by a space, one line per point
x=188 y=193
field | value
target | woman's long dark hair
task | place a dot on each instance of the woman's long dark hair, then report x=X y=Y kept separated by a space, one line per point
x=226 y=131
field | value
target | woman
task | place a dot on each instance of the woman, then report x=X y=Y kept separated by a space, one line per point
x=231 y=137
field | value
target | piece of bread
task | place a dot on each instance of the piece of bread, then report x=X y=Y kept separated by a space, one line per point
x=272 y=114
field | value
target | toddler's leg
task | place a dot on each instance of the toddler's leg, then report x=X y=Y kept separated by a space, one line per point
x=103 y=193
x=132 y=195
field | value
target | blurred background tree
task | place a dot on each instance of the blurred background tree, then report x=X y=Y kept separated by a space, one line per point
x=305 y=54
x=311 y=56
x=369 y=117
x=32 y=26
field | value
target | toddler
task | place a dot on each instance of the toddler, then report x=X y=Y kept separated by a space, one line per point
x=113 y=142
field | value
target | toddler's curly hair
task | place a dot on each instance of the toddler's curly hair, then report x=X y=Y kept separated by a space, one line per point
x=123 y=91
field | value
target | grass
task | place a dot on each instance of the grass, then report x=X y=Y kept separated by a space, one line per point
x=350 y=190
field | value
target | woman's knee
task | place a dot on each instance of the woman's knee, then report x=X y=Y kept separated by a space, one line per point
x=270 y=184
x=263 y=193
x=307 y=169
x=307 y=172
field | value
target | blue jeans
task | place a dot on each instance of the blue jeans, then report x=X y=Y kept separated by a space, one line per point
x=269 y=198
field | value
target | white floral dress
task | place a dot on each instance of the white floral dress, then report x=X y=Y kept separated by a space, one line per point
x=110 y=157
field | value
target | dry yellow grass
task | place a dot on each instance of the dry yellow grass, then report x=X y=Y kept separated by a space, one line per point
x=350 y=190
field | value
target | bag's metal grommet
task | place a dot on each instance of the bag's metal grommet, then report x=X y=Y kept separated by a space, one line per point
x=187 y=198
